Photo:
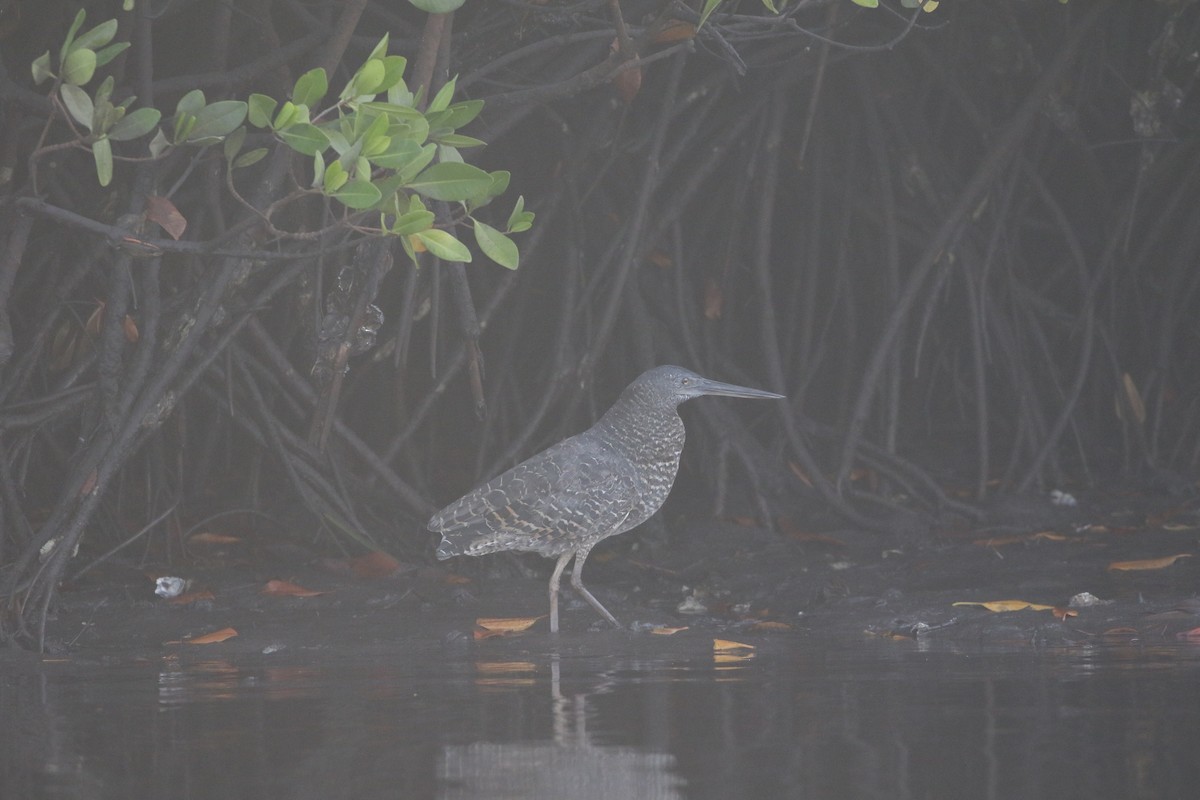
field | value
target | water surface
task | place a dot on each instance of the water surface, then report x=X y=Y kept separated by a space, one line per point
x=859 y=719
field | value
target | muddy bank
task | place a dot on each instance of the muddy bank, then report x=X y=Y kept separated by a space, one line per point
x=727 y=579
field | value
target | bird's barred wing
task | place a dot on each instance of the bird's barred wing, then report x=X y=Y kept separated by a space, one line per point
x=573 y=490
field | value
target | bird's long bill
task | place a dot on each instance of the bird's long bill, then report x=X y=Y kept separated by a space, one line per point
x=707 y=386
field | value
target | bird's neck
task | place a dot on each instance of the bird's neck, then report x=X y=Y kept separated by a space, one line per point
x=646 y=431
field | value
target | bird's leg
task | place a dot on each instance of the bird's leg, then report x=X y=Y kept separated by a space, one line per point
x=577 y=582
x=558 y=570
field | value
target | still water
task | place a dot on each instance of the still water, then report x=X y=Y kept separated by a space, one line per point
x=861 y=719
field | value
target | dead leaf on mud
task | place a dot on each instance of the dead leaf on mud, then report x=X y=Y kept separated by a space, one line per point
x=788 y=527
x=1007 y=605
x=376 y=564
x=726 y=646
x=1046 y=536
x=487 y=627
x=1061 y=613
x=1189 y=636
x=1122 y=631
x=191 y=597
x=664 y=631
x=288 y=589
x=1148 y=563
x=212 y=638
x=770 y=625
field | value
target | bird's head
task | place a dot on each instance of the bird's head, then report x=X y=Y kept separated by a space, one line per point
x=670 y=386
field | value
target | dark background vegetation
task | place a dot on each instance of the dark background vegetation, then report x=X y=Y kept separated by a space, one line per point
x=964 y=243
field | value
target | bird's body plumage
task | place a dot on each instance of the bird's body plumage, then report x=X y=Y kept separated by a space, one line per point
x=563 y=501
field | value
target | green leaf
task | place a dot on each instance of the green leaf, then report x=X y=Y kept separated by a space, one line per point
x=866 y=3
x=463 y=112
x=447 y=154
x=520 y=220
x=380 y=49
x=393 y=72
x=288 y=115
x=518 y=210
x=109 y=53
x=304 y=138
x=183 y=125
x=310 y=88
x=451 y=181
x=261 y=109
x=80 y=16
x=318 y=170
x=98 y=36
x=443 y=245
x=368 y=79
x=79 y=67
x=216 y=120
x=135 y=124
x=441 y=100
x=233 y=144
x=335 y=177
x=41 y=68
x=102 y=154
x=190 y=103
x=249 y=157
x=437 y=6
x=78 y=104
x=496 y=246
x=411 y=169
x=500 y=179
x=412 y=222
x=709 y=7
x=458 y=140
x=358 y=194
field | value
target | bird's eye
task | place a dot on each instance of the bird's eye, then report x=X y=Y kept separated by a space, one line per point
x=685 y=381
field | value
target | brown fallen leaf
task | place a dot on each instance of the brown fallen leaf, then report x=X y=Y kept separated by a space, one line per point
x=1007 y=605
x=725 y=646
x=213 y=638
x=770 y=625
x=376 y=564
x=288 y=589
x=454 y=579
x=663 y=631
x=675 y=30
x=1189 y=636
x=191 y=597
x=1148 y=563
x=1061 y=613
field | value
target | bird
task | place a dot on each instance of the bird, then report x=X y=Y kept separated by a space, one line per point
x=606 y=480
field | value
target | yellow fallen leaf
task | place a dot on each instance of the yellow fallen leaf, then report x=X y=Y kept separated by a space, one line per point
x=1007 y=605
x=1149 y=563
x=1179 y=526
x=725 y=645
x=664 y=631
x=770 y=625
x=486 y=627
x=213 y=638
